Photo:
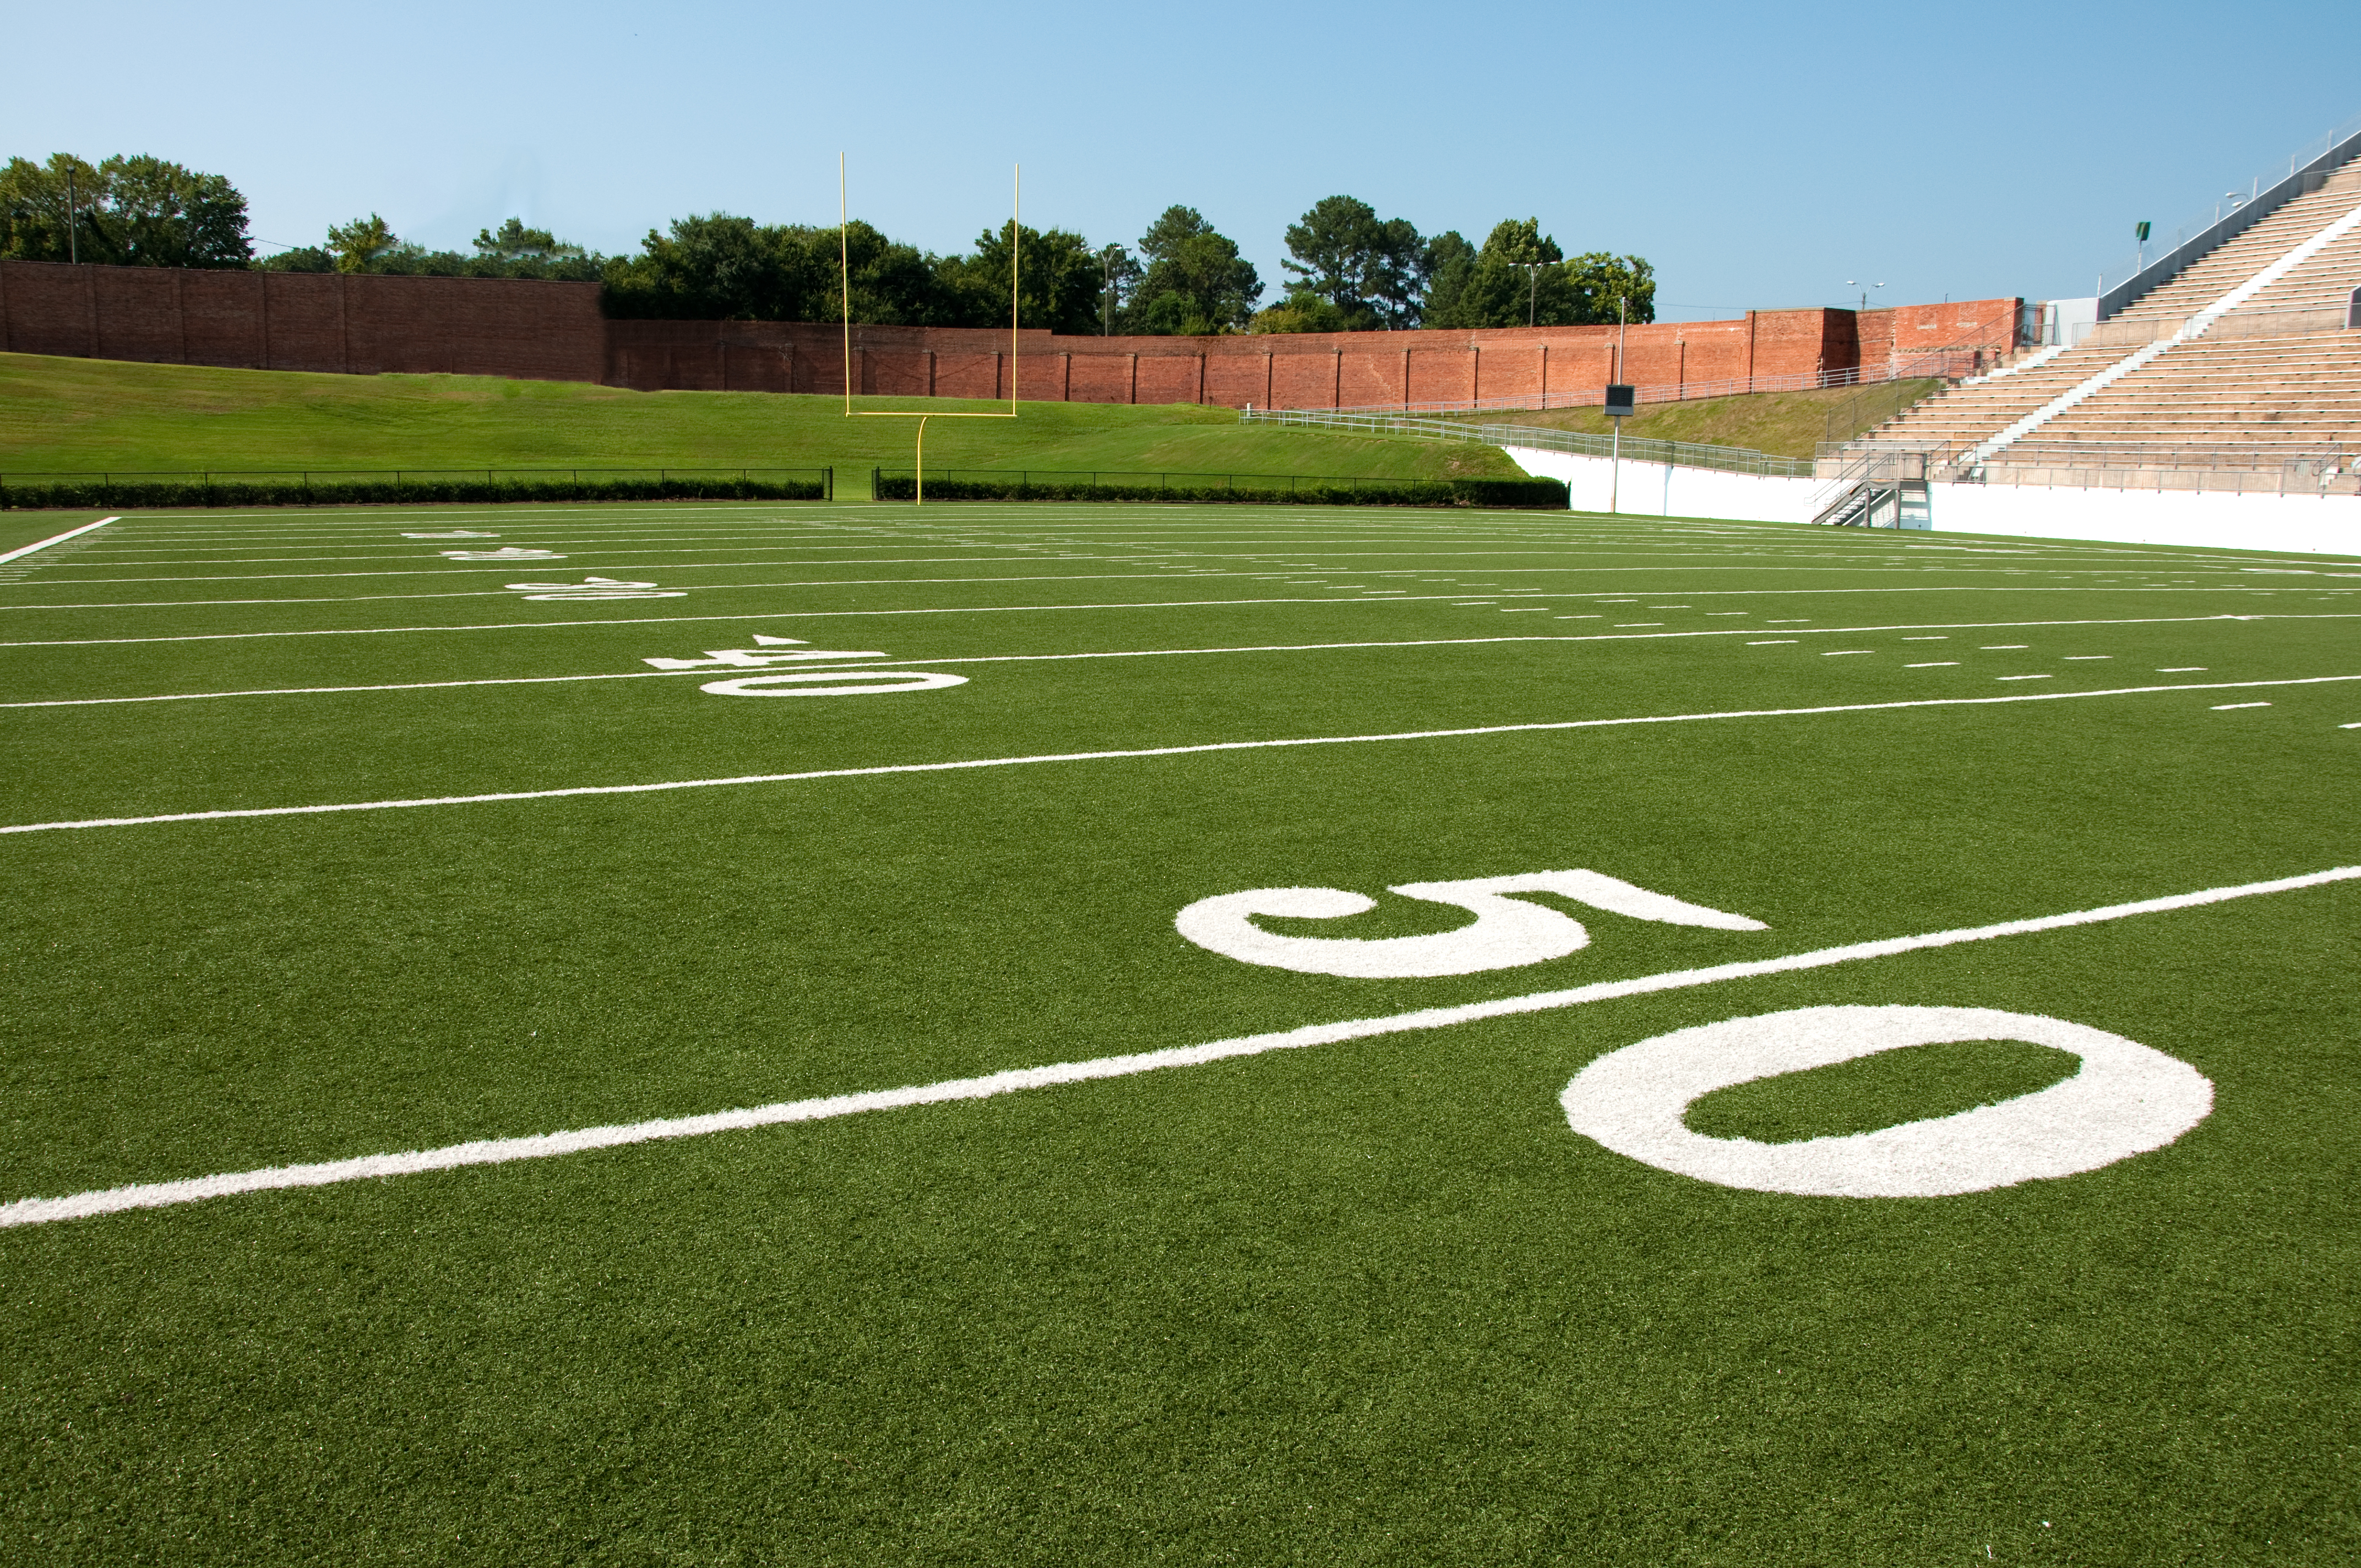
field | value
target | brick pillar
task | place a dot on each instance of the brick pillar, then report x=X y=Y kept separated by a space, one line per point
x=1750 y=352
x=262 y=317
x=1066 y=378
x=1336 y=382
x=1267 y=382
x=930 y=372
x=90 y=300
x=344 y=327
x=721 y=361
x=1544 y=375
x=1475 y=371
x=1133 y=396
x=181 y=308
x=1200 y=374
x=1405 y=380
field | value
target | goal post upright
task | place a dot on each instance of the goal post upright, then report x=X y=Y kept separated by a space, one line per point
x=844 y=260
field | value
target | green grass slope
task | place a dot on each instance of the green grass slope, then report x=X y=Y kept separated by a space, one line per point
x=1787 y=424
x=57 y=413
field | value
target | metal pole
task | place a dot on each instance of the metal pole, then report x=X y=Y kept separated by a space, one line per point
x=1615 y=469
x=844 y=259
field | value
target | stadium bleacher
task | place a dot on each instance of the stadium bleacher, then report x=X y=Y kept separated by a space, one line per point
x=2241 y=372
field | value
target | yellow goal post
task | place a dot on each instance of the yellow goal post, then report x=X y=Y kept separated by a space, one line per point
x=844 y=258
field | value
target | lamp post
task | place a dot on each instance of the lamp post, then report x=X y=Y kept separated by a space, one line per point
x=1622 y=402
x=1864 y=287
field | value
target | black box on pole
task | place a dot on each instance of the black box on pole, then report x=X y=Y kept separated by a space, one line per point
x=1622 y=402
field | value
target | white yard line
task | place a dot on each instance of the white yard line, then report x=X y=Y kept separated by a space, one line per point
x=1176 y=604
x=580 y=1140
x=1199 y=750
x=1057 y=658
x=23 y=549
x=726 y=587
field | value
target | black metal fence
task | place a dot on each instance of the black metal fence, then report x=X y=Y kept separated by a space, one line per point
x=1144 y=485
x=349 y=487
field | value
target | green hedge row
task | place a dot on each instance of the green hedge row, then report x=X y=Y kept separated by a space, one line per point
x=84 y=494
x=1529 y=493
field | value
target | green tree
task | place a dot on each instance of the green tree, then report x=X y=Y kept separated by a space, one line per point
x=1122 y=275
x=359 y=244
x=1061 y=281
x=1371 y=270
x=1300 y=313
x=1521 y=275
x=514 y=242
x=1449 y=262
x=1195 y=281
x=128 y=212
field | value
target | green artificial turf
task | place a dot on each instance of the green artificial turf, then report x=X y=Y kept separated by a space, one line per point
x=112 y=415
x=1369 y=1301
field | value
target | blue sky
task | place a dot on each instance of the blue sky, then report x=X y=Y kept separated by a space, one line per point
x=1758 y=157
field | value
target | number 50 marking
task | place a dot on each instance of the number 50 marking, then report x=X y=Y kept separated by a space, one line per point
x=1507 y=931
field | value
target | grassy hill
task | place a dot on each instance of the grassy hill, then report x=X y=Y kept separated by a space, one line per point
x=1787 y=424
x=59 y=413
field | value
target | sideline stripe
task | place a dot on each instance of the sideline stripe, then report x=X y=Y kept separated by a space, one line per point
x=23 y=550
x=1144 y=751
x=1181 y=604
x=1091 y=576
x=547 y=1146
x=1156 y=653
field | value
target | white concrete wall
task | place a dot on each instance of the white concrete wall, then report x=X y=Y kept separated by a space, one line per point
x=2311 y=525
x=1661 y=489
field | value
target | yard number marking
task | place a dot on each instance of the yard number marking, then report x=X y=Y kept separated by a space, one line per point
x=454 y=534
x=772 y=651
x=590 y=588
x=506 y=553
x=2127 y=1099
x=859 y=683
x=1508 y=932
x=768 y=651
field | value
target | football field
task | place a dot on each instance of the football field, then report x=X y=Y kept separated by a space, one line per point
x=845 y=1034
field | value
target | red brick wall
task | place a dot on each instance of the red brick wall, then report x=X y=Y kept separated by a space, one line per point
x=305 y=320
x=363 y=325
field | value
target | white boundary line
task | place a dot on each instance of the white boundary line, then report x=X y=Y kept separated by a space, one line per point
x=23 y=550
x=1569 y=593
x=547 y=1146
x=1185 y=604
x=1174 y=652
x=1199 y=750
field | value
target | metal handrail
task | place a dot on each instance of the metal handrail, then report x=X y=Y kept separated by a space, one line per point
x=2224 y=223
x=1638 y=448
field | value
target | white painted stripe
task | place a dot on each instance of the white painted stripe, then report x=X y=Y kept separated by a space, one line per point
x=23 y=550
x=331 y=691
x=1013 y=659
x=547 y=1146
x=1155 y=604
x=1203 y=749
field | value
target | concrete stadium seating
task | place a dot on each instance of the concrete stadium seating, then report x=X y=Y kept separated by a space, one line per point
x=2266 y=396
